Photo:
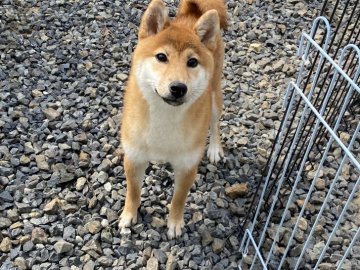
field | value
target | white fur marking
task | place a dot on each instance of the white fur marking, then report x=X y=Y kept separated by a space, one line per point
x=165 y=140
x=150 y=81
x=174 y=229
x=215 y=151
x=126 y=219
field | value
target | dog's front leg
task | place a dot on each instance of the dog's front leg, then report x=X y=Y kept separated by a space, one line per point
x=183 y=181
x=134 y=173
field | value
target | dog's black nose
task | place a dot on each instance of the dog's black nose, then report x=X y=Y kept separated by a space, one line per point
x=178 y=89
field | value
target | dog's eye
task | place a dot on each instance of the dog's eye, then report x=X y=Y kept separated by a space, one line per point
x=192 y=62
x=161 y=57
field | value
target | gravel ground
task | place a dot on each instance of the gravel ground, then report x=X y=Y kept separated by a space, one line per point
x=63 y=66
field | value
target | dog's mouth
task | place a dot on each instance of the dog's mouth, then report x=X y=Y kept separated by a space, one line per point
x=170 y=101
x=173 y=102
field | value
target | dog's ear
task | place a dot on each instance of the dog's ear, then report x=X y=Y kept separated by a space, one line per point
x=154 y=19
x=208 y=28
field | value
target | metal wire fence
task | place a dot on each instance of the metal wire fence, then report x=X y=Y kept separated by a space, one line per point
x=304 y=214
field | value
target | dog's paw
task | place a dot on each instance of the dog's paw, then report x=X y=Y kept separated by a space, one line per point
x=174 y=228
x=215 y=153
x=127 y=219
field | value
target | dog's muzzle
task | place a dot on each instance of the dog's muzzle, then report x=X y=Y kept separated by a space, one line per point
x=177 y=91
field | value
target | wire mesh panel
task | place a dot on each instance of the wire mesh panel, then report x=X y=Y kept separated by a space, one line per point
x=308 y=211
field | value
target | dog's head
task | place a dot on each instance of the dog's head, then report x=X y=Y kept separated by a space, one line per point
x=173 y=61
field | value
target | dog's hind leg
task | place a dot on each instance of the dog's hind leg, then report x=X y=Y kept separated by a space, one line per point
x=134 y=173
x=183 y=182
x=215 y=151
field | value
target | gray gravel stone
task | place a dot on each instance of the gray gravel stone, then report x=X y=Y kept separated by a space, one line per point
x=171 y=263
x=93 y=226
x=28 y=246
x=89 y=265
x=21 y=263
x=160 y=255
x=63 y=247
x=80 y=183
x=217 y=245
x=38 y=236
x=206 y=237
x=69 y=233
x=41 y=162
x=51 y=114
x=106 y=236
x=105 y=261
x=152 y=264
x=4 y=222
x=6 y=196
x=92 y=245
x=5 y=245
x=105 y=165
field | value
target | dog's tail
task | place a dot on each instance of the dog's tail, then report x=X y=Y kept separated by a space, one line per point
x=198 y=7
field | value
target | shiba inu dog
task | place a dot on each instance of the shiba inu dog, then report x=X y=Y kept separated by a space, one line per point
x=172 y=98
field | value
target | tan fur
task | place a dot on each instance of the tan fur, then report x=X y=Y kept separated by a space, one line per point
x=152 y=129
x=196 y=8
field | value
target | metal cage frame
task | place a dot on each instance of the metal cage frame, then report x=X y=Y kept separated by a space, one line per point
x=318 y=107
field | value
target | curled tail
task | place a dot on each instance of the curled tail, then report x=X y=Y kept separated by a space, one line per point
x=198 y=7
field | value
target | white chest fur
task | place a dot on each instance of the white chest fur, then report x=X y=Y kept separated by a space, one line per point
x=165 y=139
